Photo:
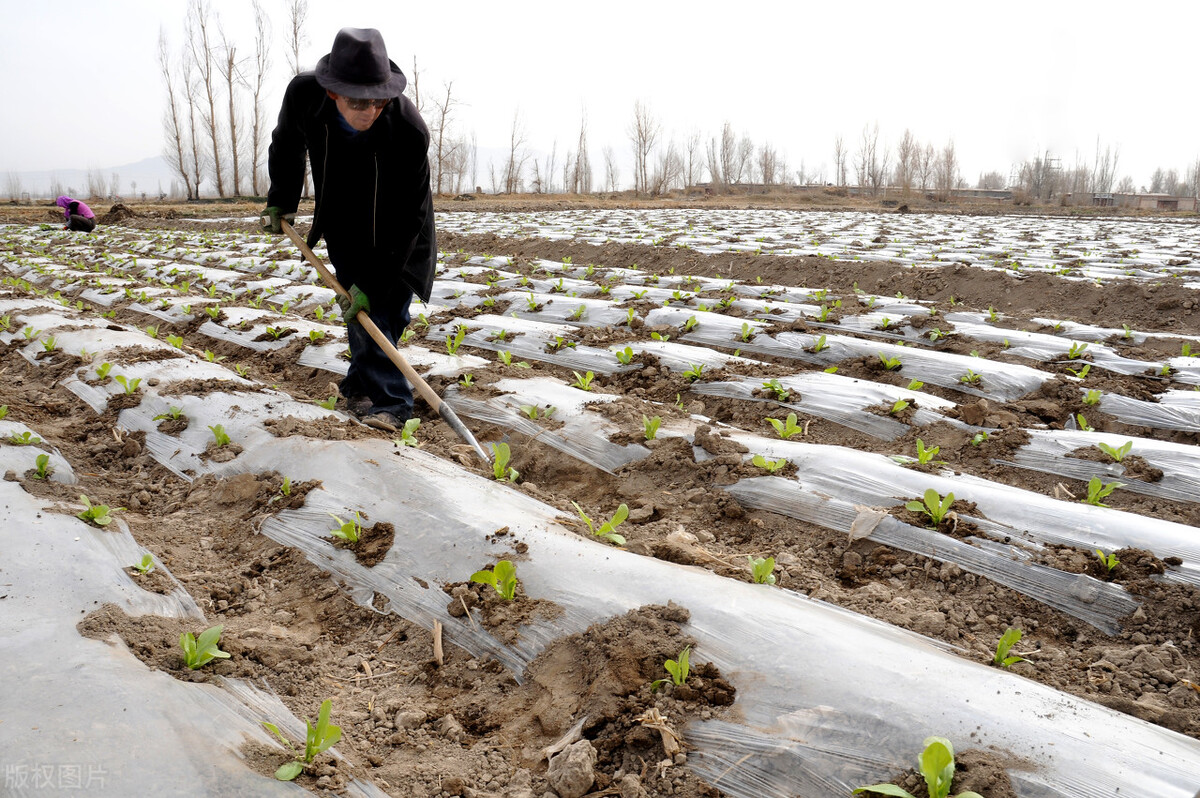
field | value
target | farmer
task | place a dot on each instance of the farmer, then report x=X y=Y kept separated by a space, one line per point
x=79 y=216
x=368 y=149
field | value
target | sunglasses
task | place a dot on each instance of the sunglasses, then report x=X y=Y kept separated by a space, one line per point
x=355 y=104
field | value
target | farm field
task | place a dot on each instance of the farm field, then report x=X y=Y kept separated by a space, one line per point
x=839 y=454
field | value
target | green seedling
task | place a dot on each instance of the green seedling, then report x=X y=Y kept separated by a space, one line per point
x=145 y=565
x=175 y=341
x=899 y=406
x=1007 y=641
x=42 y=466
x=317 y=335
x=219 y=435
x=692 y=374
x=212 y=357
x=1109 y=561
x=1083 y=423
x=25 y=438
x=583 y=381
x=625 y=356
x=678 y=669
x=933 y=506
x=29 y=333
x=607 y=530
x=823 y=315
x=1097 y=490
x=1091 y=398
x=915 y=385
x=650 y=427
x=1128 y=332
x=993 y=316
x=199 y=652
x=502 y=578
x=408 y=433
x=241 y=370
x=1076 y=351
x=349 y=531
x=1186 y=350
x=657 y=336
x=102 y=370
x=889 y=363
x=772 y=466
x=319 y=738
x=1117 y=453
x=762 y=569
x=577 y=314
x=327 y=403
x=971 y=378
x=979 y=438
x=98 y=514
x=214 y=311
x=455 y=341
x=48 y=343
x=467 y=380
x=691 y=324
x=788 y=427
x=286 y=488
x=129 y=385
x=925 y=456
x=819 y=345
x=781 y=393
x=936 y=334
x=1165 y=371
x=936 y=764
x=152 y=331
x=500 y=469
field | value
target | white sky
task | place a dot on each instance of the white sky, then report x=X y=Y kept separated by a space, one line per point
x=81 y=88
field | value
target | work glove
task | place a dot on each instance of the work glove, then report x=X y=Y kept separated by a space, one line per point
x=352 y=304
x=272 y=216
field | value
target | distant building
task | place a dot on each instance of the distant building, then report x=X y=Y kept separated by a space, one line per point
x=1155 y=202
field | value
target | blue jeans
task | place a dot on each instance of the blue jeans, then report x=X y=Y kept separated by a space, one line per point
x=372 y=374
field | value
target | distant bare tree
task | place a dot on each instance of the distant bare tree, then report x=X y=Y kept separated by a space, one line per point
x=693 y=165
x=114 y=185
x=839 y=160
x=990 y=181
x=727 y=158
x=947 y=171
x=769 y=165
x=744 y=160
x=202 y=56
x=173 y=149
x=668 y=171
x=643 y=132
x=228 y=68
x=580 y=166
x=12 y=185
x=297 y=16
x=514 y=167
x=445 y=147
x=870 y=164
x=716 y=175
x=1104 y=168
x=1040 y=177
x=926 y=166
x=907 y=155
x=612 y=172
x=197 y=159
x=1126 y=186
x=474 y=160
x=256 y=83
x=96 y=187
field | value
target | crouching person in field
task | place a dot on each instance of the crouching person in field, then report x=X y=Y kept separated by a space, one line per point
x=79 y=215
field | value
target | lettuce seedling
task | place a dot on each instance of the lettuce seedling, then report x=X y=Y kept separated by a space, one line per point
x=152 y=331
x=502 y=578
x=286 y=487
x=500 y=469
x=25 y=438
x=317 y=335
x=971 y=378
x=349 y=531
x=692 y=374
x=1007 y=641
x=48 y=343
x=819 y=345
x=624 y=356
x=898 y=406
x=781 y=393
x=1081 y=373
x=650 y=426
x=328 y=403
x=925 y=456
x=129 y=385
x=607 y=530
x=786 y=428
x=1076 y=351
x=199 y=652
x=1097 y=490
x=102 y=370
x=657 y=336
x=1091 y=398
x=1116 y=453
x=42 y=466
x=933 y=506
x=1083 y=423
x=583 y=381
x=762 y=569
x=175 y=341
x=145 y=565
x=936 y=764
x=219 y=435
x=1109 y=561
x=772 y=466
x=453 y=343
x=889 y=363
x=979 y=438
x=319 y=738
x=4 y=412
x=679 y=669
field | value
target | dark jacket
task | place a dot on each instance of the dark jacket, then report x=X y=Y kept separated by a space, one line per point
x=373 y=201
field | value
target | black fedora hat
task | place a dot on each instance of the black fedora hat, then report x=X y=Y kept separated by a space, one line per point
x=358 y=67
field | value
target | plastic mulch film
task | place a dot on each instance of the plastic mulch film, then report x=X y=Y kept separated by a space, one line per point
x=791 y=658
x=19 y=456
x=584 y=434
x=841 y=400
x=260 y=337
x=329 y=357
x=1047 y=451
x=561 y=309
x=1100 y=604
x=532 y=340
x=1177 y=410
x=874 y=480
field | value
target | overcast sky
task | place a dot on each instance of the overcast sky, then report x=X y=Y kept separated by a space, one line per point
x=81 y=88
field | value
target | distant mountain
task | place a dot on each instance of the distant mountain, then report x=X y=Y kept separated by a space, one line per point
x=151 y=175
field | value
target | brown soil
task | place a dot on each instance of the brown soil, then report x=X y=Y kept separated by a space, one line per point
x=421 y=729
